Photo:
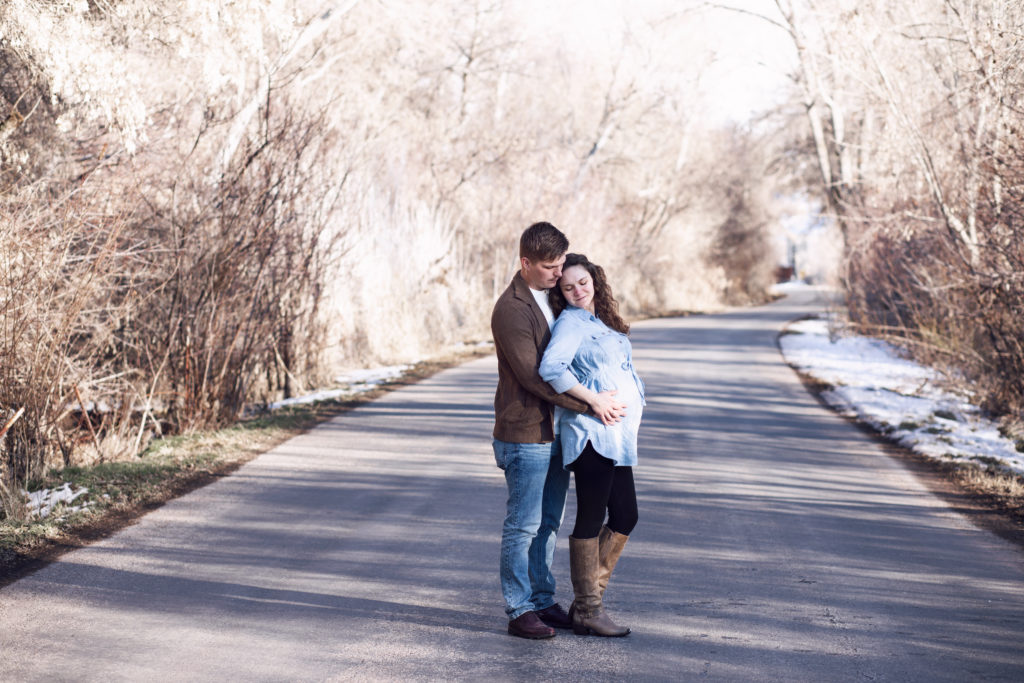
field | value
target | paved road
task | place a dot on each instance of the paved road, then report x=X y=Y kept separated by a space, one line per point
x=776 y=543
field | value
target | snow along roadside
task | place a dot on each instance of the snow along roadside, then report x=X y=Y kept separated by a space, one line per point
x=871 y=382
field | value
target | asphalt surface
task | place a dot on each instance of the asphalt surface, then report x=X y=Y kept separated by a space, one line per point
x=776 y=542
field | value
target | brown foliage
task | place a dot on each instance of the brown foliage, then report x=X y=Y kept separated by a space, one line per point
x=921 y=286
x=235 y=281
x=916 y=127
x=57 y=255
x=136 y=313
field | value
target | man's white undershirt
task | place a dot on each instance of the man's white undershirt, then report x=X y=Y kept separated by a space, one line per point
x=541 y=295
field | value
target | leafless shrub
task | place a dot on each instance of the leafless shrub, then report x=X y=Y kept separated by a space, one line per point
x=921 y=286
x=914 y=120
x=231 y=289
x=58 y=251
x=741 y=245
x=122 y=317
x=28 y=134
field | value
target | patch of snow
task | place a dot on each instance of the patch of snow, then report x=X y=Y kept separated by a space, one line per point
x=91 y=407
x=104 y=407
x=372 y=376
x=850 y=360
x=788 y=287
x=873 y=383
x=41 y=503
x=322 y=395
x=473 y=345
x=355 y=382
x=359 y=381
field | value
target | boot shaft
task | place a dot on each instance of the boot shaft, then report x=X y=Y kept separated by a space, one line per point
x=610 y=544
x=584 y=570
x=588 y=615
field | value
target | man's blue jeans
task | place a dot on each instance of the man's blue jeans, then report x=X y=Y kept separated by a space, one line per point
x=537 y=485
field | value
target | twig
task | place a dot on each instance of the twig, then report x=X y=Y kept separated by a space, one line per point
x=88 y=422
x=10 y=423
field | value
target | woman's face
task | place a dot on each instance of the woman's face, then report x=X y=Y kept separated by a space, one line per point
x=578 y=287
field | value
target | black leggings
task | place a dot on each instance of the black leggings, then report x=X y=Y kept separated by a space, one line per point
x=600 y=486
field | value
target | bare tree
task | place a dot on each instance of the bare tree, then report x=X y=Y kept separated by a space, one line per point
x=322 y=184
x=920 y=182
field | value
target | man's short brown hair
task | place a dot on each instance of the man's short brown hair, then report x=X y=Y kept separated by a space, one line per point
x=543 y=242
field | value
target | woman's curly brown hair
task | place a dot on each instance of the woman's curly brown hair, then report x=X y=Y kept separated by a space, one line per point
x=606 y=308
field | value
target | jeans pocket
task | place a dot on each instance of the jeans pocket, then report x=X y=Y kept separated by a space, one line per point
x=501 y=454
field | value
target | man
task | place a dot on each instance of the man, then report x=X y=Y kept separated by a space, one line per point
x=526 y=446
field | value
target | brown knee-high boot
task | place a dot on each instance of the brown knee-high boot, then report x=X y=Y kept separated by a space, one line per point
x=588 y=615
x=610 y=545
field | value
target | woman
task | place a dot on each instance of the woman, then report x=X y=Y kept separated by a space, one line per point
x=590 y=353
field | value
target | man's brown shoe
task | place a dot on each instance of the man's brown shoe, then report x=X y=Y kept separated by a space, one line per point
x=530 y=626
x=555 y=616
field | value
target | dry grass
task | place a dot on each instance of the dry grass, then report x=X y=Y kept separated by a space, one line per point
x=1005 y=490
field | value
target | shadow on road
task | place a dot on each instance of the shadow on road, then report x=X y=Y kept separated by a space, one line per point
x=775 y=542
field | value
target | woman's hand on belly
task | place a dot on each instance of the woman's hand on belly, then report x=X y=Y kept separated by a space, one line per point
x=603 y=404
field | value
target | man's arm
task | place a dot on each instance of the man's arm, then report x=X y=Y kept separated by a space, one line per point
x=604 y=406
x=513 y=334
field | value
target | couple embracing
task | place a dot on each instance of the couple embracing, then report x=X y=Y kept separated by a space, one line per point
x=568 y=400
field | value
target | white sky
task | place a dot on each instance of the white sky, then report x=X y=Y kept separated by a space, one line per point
x=743 y=61
x=754 y=58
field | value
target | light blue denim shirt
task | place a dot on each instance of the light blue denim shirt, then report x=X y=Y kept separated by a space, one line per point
x=583 y=350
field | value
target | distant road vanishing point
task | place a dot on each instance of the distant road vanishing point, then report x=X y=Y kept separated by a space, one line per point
x=776 y=542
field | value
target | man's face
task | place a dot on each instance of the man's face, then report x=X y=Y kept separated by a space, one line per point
x=542 y=274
